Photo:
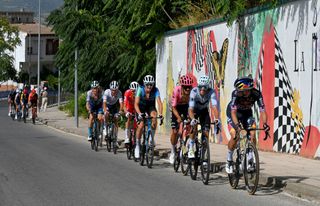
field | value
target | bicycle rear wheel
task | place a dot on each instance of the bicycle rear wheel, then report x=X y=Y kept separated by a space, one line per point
x=251 y=168
x=95 y=136
x=129 y=146
x=205 y=165
x=108 y=137
x=150 y=151
x=235 y=176
x=114 y=140
x=142 y=153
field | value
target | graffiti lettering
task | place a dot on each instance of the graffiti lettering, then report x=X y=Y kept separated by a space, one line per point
x=295 y=56
x=302 y=62
x=315 y=50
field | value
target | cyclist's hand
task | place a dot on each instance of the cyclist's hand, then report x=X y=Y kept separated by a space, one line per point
x=161 y=119
x=194 y=122
x=266 y=127
x=140 y=117
x=121 y=112
x=128 y=114
x=239 y=127
x=217 y=123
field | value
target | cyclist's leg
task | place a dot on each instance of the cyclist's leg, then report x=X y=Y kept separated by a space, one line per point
x=128 y=127
x=139 y=130
x=90 y=125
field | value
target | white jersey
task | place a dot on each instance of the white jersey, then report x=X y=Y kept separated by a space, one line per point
x=201 y=102
x=111 y=100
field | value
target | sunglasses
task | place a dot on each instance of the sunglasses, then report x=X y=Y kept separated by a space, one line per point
x=203 y=87
x=149 y=85
x=187 y=87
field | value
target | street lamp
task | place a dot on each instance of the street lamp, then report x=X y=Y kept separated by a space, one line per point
x=39 y=31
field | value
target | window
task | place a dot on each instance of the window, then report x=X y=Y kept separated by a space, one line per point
x=52 y=46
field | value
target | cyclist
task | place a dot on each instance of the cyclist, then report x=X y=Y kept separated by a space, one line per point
x=24 y=99
x=129 y=110
x=11 y=97
x=94 y=104
x=239 y=111
x=17 y=102
x=110 y=98
x=200 y=98
x=145 y=102
x=33 y=100
x=180 y=104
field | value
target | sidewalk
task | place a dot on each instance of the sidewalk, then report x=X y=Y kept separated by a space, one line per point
x=291 y=173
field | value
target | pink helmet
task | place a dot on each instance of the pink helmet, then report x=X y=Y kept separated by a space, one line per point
x=186 y=80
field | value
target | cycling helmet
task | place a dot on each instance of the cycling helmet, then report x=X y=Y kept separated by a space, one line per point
x=114 y=85
x=148 y=79
x=204 y=81
x=134 y=86
x=186 y=80
x=94 y=84
x=244 y=83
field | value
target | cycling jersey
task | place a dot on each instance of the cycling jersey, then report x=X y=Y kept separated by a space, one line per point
x=24 y=97
x=202 y=102
x=95 y=103
x=33 y=99
x=243 y=105
x=129 y=101
x=12 y=95
x=178 y=98
x=17 y=98
x=151 y=101
x=110 y=99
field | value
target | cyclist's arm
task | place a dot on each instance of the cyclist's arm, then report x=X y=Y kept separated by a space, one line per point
x=261 y=105
x=174 y=100
x=137 y=100
x=214 y=106
x=120 y=101
x=192 y=103
x=159 y=102
x=105 y=108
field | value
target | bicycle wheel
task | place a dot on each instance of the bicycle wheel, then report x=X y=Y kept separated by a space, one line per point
x=235 y=176
x=251 y=168
x=95 y=136
x=205 y=166
x=24 y=116
x=129 y=146
x=176 y=162
x=114 y=140
x=150 y=151
x=108 y=137
x=142 y=153
x=193 y=167
x=184 y=159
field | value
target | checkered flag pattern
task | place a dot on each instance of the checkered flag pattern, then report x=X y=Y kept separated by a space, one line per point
x=288 y=132
x=199 y=49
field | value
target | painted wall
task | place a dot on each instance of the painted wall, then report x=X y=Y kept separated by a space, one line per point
x=279 y=47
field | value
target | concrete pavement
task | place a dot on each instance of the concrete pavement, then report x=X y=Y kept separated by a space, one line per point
x=291 y=173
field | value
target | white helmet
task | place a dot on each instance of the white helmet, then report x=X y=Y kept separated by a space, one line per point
x=134 y=86
x=114 y=85
x=148 y=79
x=204 y=81
x=94 y=84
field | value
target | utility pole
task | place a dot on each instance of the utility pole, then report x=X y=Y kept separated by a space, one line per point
x=76 y=85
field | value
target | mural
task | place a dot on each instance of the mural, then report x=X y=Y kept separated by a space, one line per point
x=259 y=45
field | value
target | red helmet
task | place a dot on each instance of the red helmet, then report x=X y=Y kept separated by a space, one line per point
x=186 y=80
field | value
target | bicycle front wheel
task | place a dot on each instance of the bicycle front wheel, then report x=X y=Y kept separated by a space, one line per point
x=150 y=151
x=251 y=168
x=114 y=140
x=205 y=165
x=235 y=176
x=108 y=137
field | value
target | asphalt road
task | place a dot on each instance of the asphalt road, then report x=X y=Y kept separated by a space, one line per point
x=43 y=166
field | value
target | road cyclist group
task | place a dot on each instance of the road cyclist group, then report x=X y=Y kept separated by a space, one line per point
x=192 y=108
x=20 y=100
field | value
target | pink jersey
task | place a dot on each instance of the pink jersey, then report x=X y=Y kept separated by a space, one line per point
x=177 y=98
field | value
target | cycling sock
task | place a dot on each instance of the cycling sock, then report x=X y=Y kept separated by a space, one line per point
x=229 y=156
x=126 y=131
x=173 y=148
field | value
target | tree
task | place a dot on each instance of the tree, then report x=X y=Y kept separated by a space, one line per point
x=116 y=39
x=9 y=39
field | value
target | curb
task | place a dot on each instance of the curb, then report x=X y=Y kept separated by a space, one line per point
x=297 y=189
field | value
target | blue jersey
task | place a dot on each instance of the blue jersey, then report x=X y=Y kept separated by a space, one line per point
x=154 y=94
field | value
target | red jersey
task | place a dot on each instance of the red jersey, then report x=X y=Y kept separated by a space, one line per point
x=129 y=101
